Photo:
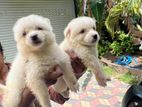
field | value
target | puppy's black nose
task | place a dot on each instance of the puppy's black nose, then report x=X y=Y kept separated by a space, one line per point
x=95 y=37
x=34 y=37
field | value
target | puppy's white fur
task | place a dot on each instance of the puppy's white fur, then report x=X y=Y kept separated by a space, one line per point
x=38 y=53
x=81 y=37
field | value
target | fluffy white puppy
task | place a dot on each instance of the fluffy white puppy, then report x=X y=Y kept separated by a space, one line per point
x=81 y=37
x=38 y=52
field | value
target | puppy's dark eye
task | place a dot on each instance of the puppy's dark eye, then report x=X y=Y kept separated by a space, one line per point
x=39 y=28
x=24 y=33
x=82 y=31
x=94 y=28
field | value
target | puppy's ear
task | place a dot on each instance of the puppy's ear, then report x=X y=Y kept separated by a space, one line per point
x=67 y=31
x=49 y=22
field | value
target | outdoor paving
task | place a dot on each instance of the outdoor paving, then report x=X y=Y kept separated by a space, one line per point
x=96 y=96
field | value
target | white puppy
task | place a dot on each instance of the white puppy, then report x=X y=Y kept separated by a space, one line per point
x=81 y=37
x=38 y=52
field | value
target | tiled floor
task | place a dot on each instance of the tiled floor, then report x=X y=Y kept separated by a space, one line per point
x=95 y=96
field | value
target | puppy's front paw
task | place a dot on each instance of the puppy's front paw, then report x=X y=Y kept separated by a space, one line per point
x=65 y=94
x=102 y=80
x=71 y=82
x=74 y=87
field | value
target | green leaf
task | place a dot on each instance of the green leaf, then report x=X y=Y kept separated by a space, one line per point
x=134 y=6
x=97 y=7
x=113 y=17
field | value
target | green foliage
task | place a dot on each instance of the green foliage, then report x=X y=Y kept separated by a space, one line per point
x=133 y=6
x=113 y=17
x=128 y=78
x=122 y=44
x=103 y=47
x=121 y=10
x=109 y=71
x=97 y=7
x=79 y=7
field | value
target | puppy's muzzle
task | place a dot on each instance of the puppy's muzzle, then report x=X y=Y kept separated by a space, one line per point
x=95 y=38
x=35 y=39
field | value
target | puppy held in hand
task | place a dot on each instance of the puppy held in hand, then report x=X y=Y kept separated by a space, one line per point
x=38 y=53
x=82 y=38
